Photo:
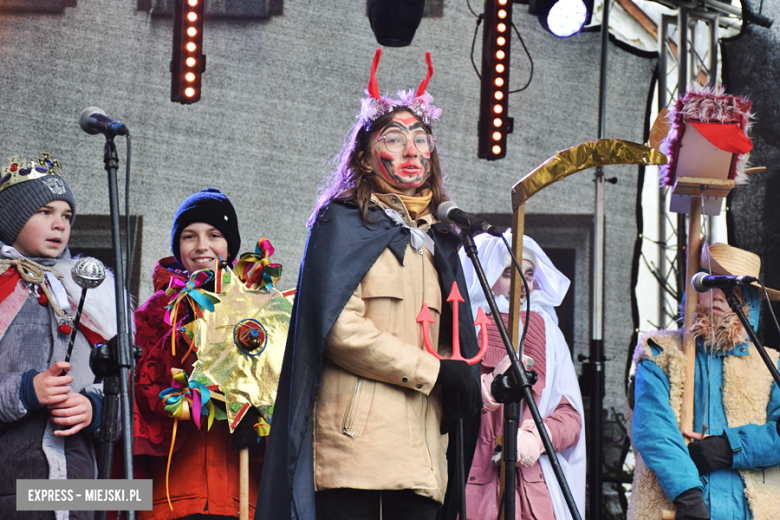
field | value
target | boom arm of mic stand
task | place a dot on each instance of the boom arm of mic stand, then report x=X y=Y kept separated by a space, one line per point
x=520 y=377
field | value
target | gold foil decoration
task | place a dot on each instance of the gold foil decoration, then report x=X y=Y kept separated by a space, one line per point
x=242 y=378
x=580 y=157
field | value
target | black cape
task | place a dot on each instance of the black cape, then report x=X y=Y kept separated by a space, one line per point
x=339 y=252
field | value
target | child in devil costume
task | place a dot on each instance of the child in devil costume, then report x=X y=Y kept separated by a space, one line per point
x=47 y=419
x=197 y=476
x=376 y=441
x=538 y=494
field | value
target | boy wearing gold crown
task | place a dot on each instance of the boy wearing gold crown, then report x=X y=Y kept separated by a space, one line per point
x=730 y=469
x=47 y=420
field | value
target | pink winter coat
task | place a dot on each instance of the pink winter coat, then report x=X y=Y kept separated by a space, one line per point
x=532 y=496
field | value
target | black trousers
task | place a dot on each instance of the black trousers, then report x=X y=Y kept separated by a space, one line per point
x=360 y=504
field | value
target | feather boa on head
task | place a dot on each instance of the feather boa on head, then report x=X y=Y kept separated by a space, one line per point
x=728 y=330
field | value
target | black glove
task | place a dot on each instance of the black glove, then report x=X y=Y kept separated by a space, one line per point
x=461 y=394
x=245 y=436
x=690 y=506
x=711 y=454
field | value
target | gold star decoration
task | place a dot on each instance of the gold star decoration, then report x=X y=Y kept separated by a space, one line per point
x=240 y=347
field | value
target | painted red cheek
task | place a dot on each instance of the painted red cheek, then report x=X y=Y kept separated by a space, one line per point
x=381 y=165
x=386 y=155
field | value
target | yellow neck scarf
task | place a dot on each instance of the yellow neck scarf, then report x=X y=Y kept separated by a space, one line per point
x=417 y=205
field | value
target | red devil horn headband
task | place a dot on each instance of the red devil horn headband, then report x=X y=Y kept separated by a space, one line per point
x=373 y=90
x=424 y=84
x=419 y=102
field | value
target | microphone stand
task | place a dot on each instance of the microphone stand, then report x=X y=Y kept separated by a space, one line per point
x=511 y=388
x=736 y=306
x=123 y=354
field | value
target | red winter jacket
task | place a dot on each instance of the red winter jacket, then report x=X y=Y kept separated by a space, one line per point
x=204 y=473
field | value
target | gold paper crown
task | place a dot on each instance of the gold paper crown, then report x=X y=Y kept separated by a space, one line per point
x=19 y=170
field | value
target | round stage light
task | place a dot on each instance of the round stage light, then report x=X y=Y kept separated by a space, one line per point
x=565 y=18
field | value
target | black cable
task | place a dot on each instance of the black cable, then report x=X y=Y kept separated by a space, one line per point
x=473 y=42
x=769 y=304
x=501 y=504
x=530 y=59
x=472 y=10
x=128 y=257
x=129 y=263
x=527 y=295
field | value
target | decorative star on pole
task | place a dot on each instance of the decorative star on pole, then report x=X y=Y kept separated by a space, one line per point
x=241 y=346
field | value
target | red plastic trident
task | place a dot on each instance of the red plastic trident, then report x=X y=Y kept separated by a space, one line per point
x=425 y=318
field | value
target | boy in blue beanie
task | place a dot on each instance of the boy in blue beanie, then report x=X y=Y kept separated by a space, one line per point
x=203 y=476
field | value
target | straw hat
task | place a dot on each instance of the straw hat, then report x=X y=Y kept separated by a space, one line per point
x=726 y=260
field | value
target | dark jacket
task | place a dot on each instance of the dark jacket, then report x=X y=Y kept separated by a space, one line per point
x=339 y=252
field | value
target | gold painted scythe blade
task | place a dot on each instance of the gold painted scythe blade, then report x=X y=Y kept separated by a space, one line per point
x=564 y=163
x=581 y=157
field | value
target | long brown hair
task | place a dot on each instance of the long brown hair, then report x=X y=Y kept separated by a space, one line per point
x=352 y=181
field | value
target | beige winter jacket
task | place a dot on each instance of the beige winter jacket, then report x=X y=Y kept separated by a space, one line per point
x=377 y=415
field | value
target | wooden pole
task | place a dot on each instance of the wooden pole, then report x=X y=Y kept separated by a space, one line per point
x=518 y=228
x=689 y=343
x=243 y=511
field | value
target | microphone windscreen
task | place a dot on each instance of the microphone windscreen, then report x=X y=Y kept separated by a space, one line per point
x=697 y=281
x=444 y=209
x=86 y=115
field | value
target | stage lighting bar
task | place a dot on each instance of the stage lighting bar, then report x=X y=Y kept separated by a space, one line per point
x=494 y=123
x=188 y=62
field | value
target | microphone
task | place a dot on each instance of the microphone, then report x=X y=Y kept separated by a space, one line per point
x=449 y=213
x=93 y=121
x=703 y=282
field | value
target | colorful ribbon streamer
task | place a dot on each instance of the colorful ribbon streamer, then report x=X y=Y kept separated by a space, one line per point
x=184 y=394
x=177 y=401
x=191 y=291
x=256 y=268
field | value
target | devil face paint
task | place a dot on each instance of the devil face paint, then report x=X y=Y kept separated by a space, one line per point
x=406 y=170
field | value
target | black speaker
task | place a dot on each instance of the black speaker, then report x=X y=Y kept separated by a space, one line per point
x=394 y=22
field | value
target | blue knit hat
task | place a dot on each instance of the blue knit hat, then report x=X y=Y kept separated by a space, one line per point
x=213 y=207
